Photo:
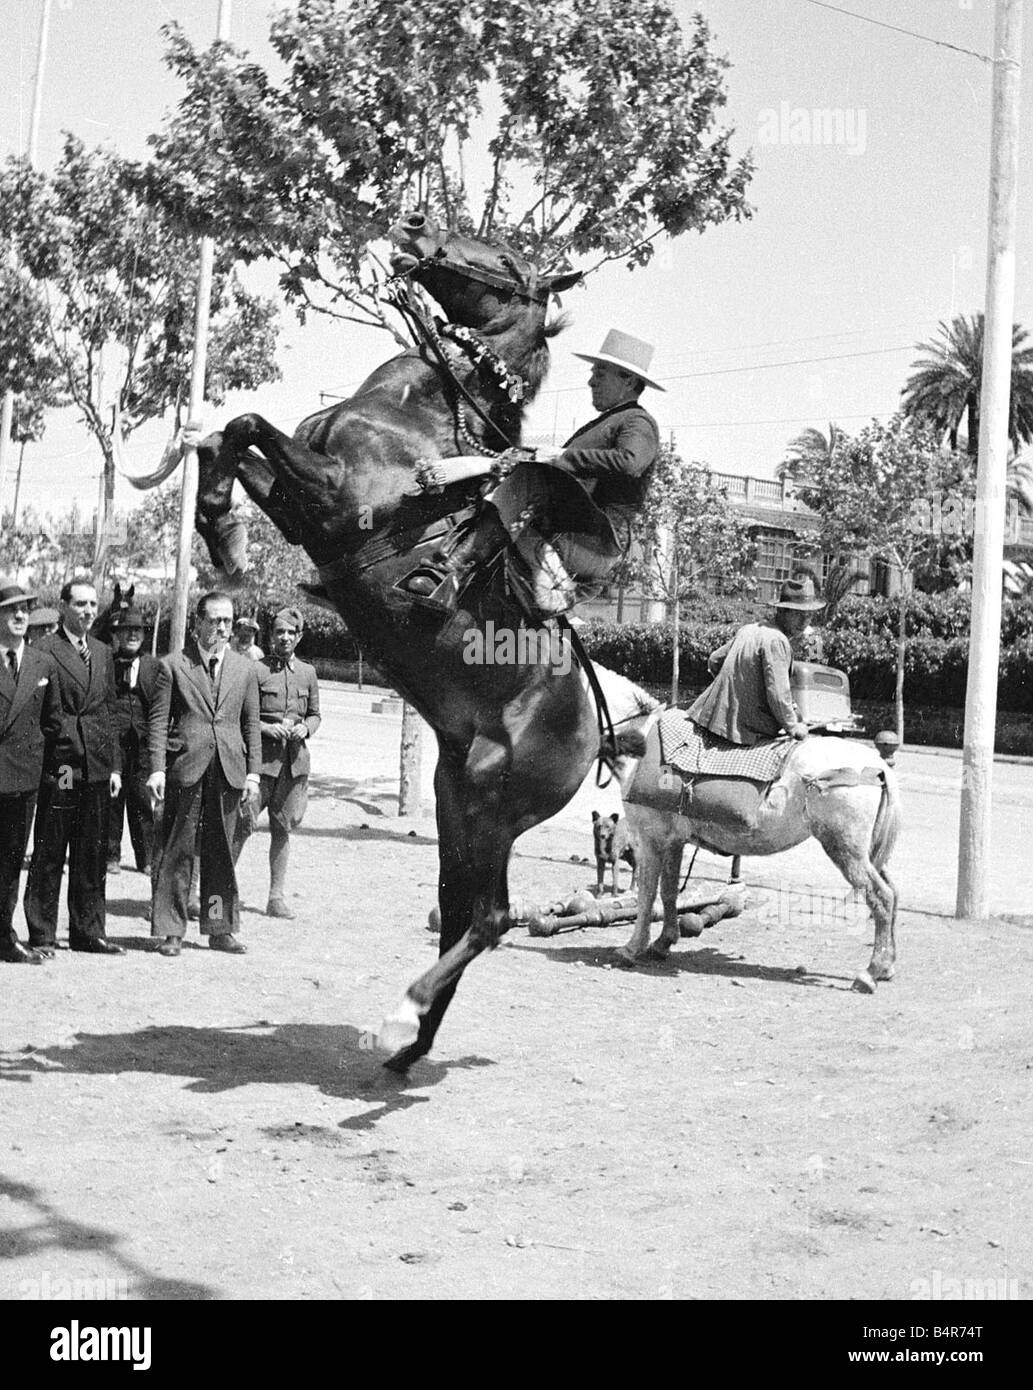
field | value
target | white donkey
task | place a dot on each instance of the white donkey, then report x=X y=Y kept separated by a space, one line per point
x=840 y=792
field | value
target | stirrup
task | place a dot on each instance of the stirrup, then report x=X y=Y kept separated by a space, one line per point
x=442 y=598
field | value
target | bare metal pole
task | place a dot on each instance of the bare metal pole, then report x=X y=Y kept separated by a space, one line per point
x=31 y=152
x=988 y=552
x=188 y=493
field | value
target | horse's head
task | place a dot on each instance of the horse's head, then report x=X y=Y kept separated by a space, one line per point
x=478 y=285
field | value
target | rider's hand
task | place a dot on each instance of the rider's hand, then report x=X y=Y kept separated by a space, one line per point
x=191 y=435
x=800 y=730
x=546 y=453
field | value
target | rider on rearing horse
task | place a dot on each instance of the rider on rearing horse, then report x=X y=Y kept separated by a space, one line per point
x=567 y=512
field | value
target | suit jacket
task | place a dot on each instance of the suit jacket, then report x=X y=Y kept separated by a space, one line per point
x=189 y=725
x=750 y=699
x=612 y=457
x=29 y=716
x=85 y=742
x=292 y=695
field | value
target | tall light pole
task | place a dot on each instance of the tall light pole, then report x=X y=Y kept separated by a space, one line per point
x=31 y=152
x=988 y=552
x=188 y=492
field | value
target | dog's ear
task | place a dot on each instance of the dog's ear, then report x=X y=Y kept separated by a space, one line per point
x=595 y=815
x=615 y=817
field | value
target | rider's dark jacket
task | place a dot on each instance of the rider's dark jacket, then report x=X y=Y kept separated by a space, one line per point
x=612 y=457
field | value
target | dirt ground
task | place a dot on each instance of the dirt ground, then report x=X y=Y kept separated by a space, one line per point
x=734 y=1123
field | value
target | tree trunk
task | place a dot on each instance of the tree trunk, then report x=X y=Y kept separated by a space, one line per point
x=409 y=778
x=905 y=586
x=676 y=648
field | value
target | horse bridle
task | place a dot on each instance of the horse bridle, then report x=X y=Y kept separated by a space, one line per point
x=535 y=293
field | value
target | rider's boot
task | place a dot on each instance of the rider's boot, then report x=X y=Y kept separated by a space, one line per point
x=437 y=582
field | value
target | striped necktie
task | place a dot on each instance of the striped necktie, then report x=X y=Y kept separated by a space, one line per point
x=84 y=651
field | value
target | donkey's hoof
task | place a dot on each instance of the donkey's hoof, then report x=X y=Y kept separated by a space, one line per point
x=863 y=983
x=626 y=958
x=399 y=1030
x=659 y=950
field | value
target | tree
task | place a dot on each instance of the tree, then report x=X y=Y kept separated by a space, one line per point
x=805 y=453
x=689 y=536
x=894 y=494
x=115 y=300
x=943 y=389
x=582 y=129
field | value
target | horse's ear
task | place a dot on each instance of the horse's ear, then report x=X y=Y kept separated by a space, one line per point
x=118 y=594
x=559 y=283
x=130 y=592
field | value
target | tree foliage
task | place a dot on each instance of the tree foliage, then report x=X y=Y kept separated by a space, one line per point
x=582 y=129
x=114 y=297
x=944 y=387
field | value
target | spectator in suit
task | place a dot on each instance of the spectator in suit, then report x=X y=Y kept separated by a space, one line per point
x=136 y=676
x=289 y=696
x=81 y=773
x=28 y=716
x=43 y=622
x=205 y=753
x=243 y=639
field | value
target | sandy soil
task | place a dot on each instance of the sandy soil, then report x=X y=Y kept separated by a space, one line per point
x=733 y=1123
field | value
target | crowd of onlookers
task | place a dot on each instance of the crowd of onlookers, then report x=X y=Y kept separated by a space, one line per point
x=188 y=750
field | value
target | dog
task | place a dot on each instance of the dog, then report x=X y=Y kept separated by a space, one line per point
x=613 y=843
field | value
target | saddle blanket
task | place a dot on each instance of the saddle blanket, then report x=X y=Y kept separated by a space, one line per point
x=694 y=751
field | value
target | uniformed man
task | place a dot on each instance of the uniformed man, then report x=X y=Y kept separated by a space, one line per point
x=289 y=700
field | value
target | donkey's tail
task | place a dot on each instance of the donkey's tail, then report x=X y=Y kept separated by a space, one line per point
x=887 y=820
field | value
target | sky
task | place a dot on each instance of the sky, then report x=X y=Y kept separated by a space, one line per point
x=867 y=231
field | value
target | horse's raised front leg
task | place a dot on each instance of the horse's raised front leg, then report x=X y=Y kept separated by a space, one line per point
x=299 y=490
x=474 y=848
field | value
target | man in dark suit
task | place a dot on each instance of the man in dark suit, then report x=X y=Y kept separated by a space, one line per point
x=81 y=773
x=28 y=716
x=205 y=753
x=568 y=511
x=136 y=677
x=289 y=697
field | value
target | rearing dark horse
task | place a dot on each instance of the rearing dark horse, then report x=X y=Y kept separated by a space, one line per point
x=515 y=740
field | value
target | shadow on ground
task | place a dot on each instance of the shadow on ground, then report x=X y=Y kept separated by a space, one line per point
x=699 y=960
x=53 y=1232
x=335 y=1058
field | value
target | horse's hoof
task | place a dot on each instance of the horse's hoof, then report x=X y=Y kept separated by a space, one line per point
x=399 y=1030
x=863 y=983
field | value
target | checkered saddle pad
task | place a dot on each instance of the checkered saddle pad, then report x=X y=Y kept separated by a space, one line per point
x=694 y=751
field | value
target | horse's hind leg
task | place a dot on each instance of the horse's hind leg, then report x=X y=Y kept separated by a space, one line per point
x=846 y=840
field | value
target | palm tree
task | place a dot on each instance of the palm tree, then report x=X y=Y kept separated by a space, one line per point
x=805 y=452
x=943 y=389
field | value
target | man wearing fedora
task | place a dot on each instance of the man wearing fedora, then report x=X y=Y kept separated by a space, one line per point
x=750 y=700
x=81 y=773
x=136 y=678
x=28 y=717
x=568 y=511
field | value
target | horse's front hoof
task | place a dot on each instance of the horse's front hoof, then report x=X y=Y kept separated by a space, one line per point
x=863 y=983
x=399 y=1031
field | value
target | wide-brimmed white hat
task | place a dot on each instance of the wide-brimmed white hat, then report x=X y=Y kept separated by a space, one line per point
x=630 y=354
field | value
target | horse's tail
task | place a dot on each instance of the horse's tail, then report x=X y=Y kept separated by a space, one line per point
x=887 y=820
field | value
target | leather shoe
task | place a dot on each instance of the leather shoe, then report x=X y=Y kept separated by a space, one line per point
x=228 y=943
x=97 y=946
x=44 y=952
x=16 y=954
x=276 y=907
x=171 y=946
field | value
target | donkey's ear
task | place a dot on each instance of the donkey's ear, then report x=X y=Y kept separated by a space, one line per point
x=559 y=283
